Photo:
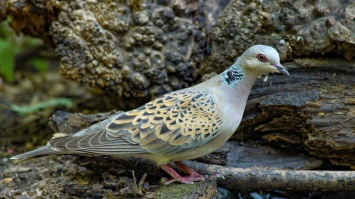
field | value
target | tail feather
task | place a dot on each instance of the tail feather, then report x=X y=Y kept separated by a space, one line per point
x=45 y=150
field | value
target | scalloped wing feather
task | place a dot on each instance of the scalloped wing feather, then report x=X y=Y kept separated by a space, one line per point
x=170 y=124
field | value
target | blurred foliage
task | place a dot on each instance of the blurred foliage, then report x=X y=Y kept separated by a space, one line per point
x=42 y=105
x=10 y=45
x=41 y=65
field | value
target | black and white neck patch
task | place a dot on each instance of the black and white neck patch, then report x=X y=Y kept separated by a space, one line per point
x=233 y=75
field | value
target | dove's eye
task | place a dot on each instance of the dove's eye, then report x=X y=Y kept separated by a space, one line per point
x=261 y=58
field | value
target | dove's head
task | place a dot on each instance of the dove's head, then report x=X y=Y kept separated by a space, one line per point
x=261 y=59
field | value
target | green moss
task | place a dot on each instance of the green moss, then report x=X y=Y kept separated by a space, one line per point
x=176 y=190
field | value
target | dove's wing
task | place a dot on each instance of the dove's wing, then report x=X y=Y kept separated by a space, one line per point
x=170 y=124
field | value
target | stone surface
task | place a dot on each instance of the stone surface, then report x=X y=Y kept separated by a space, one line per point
x=136 y=49
x=295 y=28
x=145 y=48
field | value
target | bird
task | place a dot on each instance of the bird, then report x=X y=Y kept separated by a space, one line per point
x=180 y=125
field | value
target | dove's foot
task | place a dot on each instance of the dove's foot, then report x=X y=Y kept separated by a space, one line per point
x=193 y=175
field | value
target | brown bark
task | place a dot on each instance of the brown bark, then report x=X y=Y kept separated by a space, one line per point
x=253 y=179
x=312 y=111
x=240 y=179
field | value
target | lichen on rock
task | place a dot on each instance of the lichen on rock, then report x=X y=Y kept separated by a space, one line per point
x=144 y=48
x=294 y=28
x=135 y=49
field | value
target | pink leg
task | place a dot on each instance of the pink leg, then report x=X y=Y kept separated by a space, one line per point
x=193 y=175
x=186 y=169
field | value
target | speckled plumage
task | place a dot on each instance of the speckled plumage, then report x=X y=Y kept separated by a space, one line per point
x=180 y=125
x=171 y=124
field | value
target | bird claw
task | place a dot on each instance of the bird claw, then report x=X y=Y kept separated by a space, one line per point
x=191 y=178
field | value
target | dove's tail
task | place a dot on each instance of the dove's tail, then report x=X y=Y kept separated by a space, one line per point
x=45 y=150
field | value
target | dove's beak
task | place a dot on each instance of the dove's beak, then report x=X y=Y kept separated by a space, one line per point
x=281 y=69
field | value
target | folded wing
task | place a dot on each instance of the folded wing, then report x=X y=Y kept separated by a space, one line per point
x=170 y=124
